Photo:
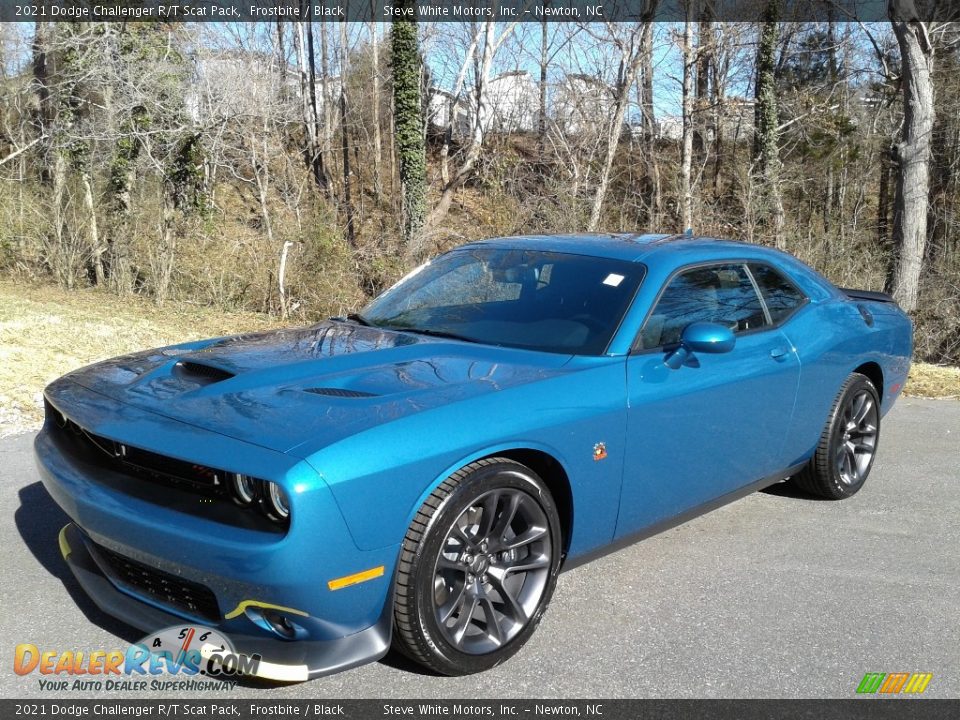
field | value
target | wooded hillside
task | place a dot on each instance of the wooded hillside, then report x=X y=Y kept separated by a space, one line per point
x=299 y=168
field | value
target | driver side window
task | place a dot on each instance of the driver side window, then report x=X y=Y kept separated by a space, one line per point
x=721 y=294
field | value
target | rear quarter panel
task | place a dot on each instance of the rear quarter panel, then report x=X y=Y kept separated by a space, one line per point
x=832 y=340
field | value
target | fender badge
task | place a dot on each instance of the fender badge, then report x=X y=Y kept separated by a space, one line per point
x=599 y=451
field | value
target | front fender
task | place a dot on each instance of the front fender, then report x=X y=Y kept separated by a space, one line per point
x=381 y=477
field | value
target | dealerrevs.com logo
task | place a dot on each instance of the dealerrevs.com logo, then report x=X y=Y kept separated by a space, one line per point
x=182 y=657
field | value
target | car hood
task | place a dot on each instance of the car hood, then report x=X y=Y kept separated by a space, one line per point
x=286 y=388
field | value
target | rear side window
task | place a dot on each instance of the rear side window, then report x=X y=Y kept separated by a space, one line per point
x=719 y=293
x=781 y=296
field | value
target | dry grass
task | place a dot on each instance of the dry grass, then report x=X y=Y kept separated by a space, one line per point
x=933 y=381
x=45 y=332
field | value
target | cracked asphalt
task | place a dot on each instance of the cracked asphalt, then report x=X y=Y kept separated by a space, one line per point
x=777 y=595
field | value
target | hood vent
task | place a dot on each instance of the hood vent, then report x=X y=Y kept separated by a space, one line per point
x=198 y=372
x=340 y=392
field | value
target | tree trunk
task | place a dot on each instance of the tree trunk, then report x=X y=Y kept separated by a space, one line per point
x=452 y=107
x=408 y=133
x=282 y=277
x=96 y=250
x=45 y=114
x=281 y=53
x=311 y=150
x=828 y=202
x=477 y=131
x=912 y=193
x=686 y=156
x=766 y=145
x=630 y=64
x=63 y=268
x=646 y=65
x=326 y=146
x=542 y=115
x=321 y=173
x=614 y=131
x=717 y=99
x=483 y=63
x=375 y=100
x=168 y=245
x=704 y=61
x=345 y=141
x=883 y=204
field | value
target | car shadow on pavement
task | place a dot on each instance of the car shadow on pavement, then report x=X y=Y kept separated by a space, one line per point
x=398 y=661
x=39 y=520
x=789 y=490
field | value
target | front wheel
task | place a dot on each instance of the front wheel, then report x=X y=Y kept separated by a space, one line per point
x=477 y=568
x=843 y=458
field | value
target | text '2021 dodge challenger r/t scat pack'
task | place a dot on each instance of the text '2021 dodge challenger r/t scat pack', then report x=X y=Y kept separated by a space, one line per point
x=417 y=474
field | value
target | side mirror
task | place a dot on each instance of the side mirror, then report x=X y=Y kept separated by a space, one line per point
x=701 y=337
x=708 y=337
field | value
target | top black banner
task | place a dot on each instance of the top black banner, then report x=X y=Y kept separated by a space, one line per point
x=473 y=10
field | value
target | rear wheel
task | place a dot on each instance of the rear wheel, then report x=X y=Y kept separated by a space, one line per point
x=848 y=444
x=477 y=568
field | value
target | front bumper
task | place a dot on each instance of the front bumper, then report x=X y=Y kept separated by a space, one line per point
x=240 y=571
x=284 y=661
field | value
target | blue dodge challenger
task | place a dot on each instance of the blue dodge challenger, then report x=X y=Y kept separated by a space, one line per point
x=417 y=474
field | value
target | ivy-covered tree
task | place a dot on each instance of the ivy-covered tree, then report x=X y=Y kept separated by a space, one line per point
x=405 y=65
x=766 y=144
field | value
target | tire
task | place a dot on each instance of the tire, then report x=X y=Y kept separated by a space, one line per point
x=487 y=540
x=848 y=445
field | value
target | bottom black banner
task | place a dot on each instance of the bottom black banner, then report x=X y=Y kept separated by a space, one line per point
x=854 y=709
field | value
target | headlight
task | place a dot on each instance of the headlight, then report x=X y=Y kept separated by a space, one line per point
x=276 y=503
x=268 y=497
x=244 y=489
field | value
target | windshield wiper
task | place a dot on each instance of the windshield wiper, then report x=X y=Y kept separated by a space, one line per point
x=431 y=333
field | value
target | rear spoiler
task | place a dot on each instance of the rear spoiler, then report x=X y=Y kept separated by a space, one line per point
x=868 y=295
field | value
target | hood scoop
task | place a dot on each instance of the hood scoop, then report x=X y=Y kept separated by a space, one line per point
x=201 y=372
x=340 y=392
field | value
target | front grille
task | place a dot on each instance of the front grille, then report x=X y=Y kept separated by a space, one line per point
x=142 y=463
x=190 y=597
x=169 y=482
x=161 y=468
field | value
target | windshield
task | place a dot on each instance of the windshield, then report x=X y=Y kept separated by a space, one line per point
x=535 y=300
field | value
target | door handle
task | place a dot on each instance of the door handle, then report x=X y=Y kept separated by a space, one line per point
x=779 y=352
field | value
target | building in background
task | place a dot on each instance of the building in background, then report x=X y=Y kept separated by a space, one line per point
x=581 y=103
x=512 y=103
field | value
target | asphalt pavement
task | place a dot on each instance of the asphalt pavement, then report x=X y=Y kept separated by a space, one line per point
x=776 y=595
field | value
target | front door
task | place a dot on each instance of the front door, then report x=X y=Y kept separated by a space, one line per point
x=717 y=423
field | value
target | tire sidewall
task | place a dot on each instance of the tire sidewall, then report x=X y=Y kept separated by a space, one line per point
x=500 y=475
x=857 y=383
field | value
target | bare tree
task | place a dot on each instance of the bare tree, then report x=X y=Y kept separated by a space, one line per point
x=303 y=49
x=375 y=120
x=483 y=64
x=349 y=230
x=629 y=42
x=686 y=154
x=912 y=153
